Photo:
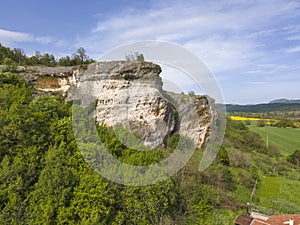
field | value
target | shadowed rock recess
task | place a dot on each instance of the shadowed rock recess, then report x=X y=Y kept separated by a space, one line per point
x=130 y=93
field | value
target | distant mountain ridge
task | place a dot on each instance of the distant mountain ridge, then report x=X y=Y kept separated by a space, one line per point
x=274 y=105
x=285 y=101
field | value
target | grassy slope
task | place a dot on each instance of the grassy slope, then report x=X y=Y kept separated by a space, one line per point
x=287 y=140
x=279 y=194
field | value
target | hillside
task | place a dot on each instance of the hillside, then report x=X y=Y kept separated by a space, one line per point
x=45 y=179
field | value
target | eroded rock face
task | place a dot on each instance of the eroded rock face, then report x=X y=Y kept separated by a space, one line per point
x=196 y=116
x=51 y=79
x=131 y=93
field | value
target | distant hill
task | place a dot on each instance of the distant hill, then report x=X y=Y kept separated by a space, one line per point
x=275 y=105
x=285 y=101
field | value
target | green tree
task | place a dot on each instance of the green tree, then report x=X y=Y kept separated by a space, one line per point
x=54 y=189
x=93 y=201
x=65 y=61
x=47 y=60
x=223 y=156
x=135 y=57
x=81 y=53
x=19 y=56
x=261 y=123
x=10 y=65
x=284 y=123
x=294 y=158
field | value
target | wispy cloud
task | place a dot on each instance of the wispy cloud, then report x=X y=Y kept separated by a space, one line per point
x=293 y=50
x=241 y=41
x=226 y=35
x=260 y=83
x=7 y=37
x=294 y=38
x=11 y=36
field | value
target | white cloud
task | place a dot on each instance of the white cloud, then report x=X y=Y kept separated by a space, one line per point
x=294 y=38
x=254 y=72
x=258 y=83
x=293 y=50
x=11 y=36
x=235 y=38
x=7 y=37
x=224 y=34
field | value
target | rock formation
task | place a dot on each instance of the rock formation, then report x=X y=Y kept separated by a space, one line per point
x=129 y=93
x=51 y=79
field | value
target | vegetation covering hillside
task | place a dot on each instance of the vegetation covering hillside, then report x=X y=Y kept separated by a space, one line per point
x=45 y=180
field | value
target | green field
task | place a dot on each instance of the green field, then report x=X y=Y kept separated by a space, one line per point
x=287 y=140
x=278 y=194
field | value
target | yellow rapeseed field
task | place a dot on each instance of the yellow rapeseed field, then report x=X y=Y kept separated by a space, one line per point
x=244 y=118
x=241 y=118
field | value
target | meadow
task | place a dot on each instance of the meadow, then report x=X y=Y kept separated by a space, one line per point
x=287 y=140
x=278 y=195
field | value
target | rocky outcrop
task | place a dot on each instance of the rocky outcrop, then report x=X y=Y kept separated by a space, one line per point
x=129 y=93
x=51 y=79
x=196 y=116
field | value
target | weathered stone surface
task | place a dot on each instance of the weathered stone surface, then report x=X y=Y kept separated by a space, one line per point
x=51 y=79
x=129 y=93
x=195 y=114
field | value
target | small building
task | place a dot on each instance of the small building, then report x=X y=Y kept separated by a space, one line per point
x=259 y=219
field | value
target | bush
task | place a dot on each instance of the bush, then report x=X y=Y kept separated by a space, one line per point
x=295 y=158
x=238 y=159
x=284 y=123
x=261 y=123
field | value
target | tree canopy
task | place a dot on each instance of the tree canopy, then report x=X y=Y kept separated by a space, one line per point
x=17 y=56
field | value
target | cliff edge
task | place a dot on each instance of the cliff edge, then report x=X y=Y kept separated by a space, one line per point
x=131 y=94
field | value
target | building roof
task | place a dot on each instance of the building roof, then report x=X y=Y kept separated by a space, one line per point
x=284 y=219
x=272 y=220
x=259 y=222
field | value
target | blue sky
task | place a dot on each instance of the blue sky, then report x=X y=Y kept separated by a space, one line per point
x=252 y=47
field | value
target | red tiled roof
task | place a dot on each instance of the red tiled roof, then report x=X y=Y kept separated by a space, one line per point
x=281 y=219
x=272 y=220
x=259 y=222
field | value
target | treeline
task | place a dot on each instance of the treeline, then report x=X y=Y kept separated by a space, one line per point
x=17 y=56
x=281 y=123
x=266 y=107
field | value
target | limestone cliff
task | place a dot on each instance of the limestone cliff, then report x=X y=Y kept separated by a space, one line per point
x=130 y=93
x=51 y=79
